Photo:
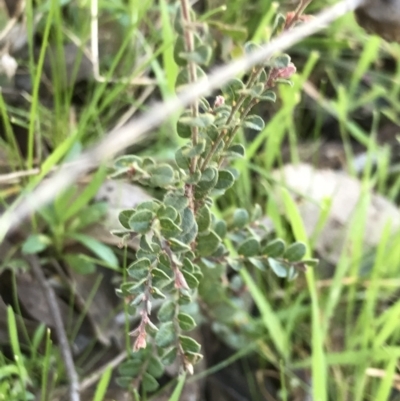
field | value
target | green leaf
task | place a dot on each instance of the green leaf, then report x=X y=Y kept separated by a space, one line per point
x=161 y=175
x=188 y=220
x=188 y=265
x=193 y=357
x=166 y=335
x=168 y=212
x=193 y=178
x=165 y=262
x=310 y=262
x=178 y=246
x=274 y=248
x=295 y=252
x=89 y=215
x=140 y=264
x=191 y=280
x=120 y=234
x=236 y=32
x=236 y=150
x=166 y=312
x=225 y=180
x=124 y=381
x=208 y=180
x=235 y=264
x=130 y=367
x=186 y=322
x=183 y=130
x=201 y=55
x=220 y=251
x=103 y=252
x=207 y=244
x=203 y=219
x=281 y=61
x=137 y=301
x=284 y=81
x=279 y=24
x=183 y=77
x=269 y=96
x=141 y=221
x=127 y=161
x=151 y=205
x=233 y=88
x=124 y=217
x=251 y=47
x=250 y=247
x=155 y=367
x=195 y=150
x=257 y=213
x=157 y=293
x=149 y=383
x=279 y=268
x=181 y=160
x=35 y=243
x=212 y=132
x=188 y=344
x=169 y=228
x=179 y=202
x=147 y=162
x=139 y=269
x=234 y=171
x=254 y=122
x=184 y=299
x=179 y=49
x=141 y=253
x=169 y=357
x=138 y=287
x=263 y=76
x=87 y=194
x=220 y=228
x=240 y=218
x=159 y=275
x=189 y=236
x=257 y=89
x=201 y=121
x=257 y=263
x=204 y=105
x=146 y=245
x=80 y=263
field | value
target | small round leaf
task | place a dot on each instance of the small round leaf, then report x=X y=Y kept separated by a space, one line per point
x=186 y=322
x=295 y=252
x=275 y=248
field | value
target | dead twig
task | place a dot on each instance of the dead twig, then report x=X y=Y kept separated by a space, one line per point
x=59 y=328
x=13 y=21
x=96 y=375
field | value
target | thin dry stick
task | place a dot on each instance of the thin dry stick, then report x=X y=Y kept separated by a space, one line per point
x=95 y=376
x=59 y=328
x=13 y=21
x=117 y=141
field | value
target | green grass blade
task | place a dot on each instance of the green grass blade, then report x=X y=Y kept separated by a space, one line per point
x=269 y=317
x=319 y=374
x=178 y=389
x=46 y=367
x=102 y=386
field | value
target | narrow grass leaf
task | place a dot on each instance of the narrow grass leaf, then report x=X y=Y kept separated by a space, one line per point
x=319 y=373
x=269 y=318
x=102 y=386
x=102 y=251
x=178 y=389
